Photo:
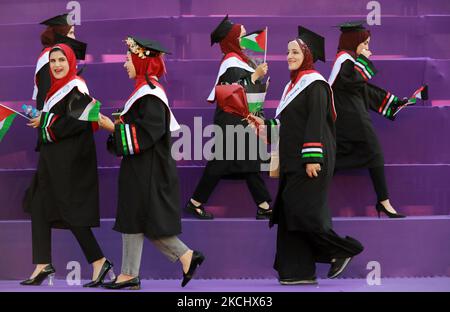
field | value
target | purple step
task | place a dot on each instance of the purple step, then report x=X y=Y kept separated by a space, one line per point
x=411 y=139
x=243 y=248
x=189 y=82
x=415 y=284
x=188 y=37
x=414 y=190
x=35 y=11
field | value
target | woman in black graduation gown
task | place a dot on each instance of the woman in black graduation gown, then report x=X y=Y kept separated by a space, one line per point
x=306 y=117
x=56 y=25
x=148 y=204
x=357 y=142
x=235 y=67
x=65 y=193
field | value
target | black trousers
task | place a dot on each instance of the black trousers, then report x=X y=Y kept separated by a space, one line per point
x=298 y=252
x=255 y=184
x=379 y=182
x=42 y=236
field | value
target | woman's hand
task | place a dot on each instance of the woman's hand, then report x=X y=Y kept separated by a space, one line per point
x=312 y=170
x=366 y=53
x=260 y=71
x=105 y=123
x=255 y=121
x=35 y=122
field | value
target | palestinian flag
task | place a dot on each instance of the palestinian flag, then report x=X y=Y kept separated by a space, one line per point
x=255 y=41
x=256 y=94
x=91 y=112
x=86 y=108
x=6 y=118
x=421 y=94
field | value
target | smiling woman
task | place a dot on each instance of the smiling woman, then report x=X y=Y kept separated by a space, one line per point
x=59 y=65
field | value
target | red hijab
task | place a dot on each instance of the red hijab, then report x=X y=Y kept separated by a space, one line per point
x=57 y=84
x=231 y=42
x=151 y=65
x=307 y=65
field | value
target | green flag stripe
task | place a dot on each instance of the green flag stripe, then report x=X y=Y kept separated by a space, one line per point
x=93 y=113
x=255 y=107
x=6 y=124
x=251 y=45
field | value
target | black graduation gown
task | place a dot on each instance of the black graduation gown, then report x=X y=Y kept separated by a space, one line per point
x=304 y=234
x=43 y=85
x=148 y=183
x=306 y=121
x=357 y=142
x=65 y=186
x=249 y=164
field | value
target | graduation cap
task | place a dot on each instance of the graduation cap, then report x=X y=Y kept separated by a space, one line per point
x=144 y=47
x=352 y=26
x=221 y=30
x=57 y=20
x=77 y=46
x=315 y=43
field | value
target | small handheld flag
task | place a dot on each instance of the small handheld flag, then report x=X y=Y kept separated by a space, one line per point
x=255 y=41
x=421 y=93
x=6 y=118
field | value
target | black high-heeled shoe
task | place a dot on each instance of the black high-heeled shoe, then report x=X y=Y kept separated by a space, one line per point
x=202 y=214
x=197 y=259
x=263 y=214
x=132 y=284
x=47 y=271
x=380 y=208
x=106 y=268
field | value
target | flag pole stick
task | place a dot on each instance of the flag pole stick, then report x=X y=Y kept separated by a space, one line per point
x=265 y=49
x=15 y=111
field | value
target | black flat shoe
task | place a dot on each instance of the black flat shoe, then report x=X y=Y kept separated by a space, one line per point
x=131 y=284
x=338 y=266
x=106 y=268
x=380 y=208
x=295 y=281
x=48 y=271
x=203 y=215
x=197 y=259
x=262 y=214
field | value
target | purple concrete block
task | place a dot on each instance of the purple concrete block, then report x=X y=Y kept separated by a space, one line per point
x=243 y=248
x=35 y=11
x=188 y=36
x=414 y=190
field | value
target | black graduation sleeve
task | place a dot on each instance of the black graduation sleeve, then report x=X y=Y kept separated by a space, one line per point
x=236 y=75
x=55 y=127
x=43 y=85
x=381 y=101
x=318 y=103
x=142 y=133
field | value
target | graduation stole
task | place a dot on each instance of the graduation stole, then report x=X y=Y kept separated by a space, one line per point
x=230 y=60
x=63 y=91
x=341 y=57
x=159 y=93
x=42 y=61
x=306 y=79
